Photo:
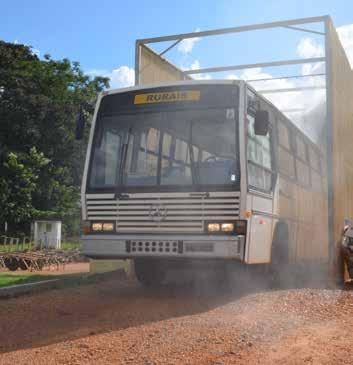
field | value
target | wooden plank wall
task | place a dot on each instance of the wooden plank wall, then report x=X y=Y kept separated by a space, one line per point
x=156 y=69
x=341 y=103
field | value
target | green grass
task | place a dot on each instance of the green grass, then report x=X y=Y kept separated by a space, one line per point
x=12 y=248
x=7 y=279
x=70 y=246
x=65 y=246
x=70 y=280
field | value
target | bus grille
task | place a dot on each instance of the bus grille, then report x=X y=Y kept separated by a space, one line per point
x=163 y=212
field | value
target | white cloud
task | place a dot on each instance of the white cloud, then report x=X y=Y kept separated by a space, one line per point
x=308 y=47
x=195 y=66
x=96 y=72
x=187 y=45
x=232 y=77
x=281 y=100
x=122 y=76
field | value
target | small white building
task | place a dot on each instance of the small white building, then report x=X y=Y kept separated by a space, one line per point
x=47 y=234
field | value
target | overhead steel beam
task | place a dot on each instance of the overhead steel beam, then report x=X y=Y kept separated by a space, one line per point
x=255 y=65
x=137 y=62
x=286 y=77
x=329 y=147
x=291 y=89
x=170 y=47
x=303 y=29
x=244 y=28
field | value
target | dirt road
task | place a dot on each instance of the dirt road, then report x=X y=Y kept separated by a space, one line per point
x=122 y=323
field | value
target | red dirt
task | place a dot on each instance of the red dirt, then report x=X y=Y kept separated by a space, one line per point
x=121 y=323
x=75 y=268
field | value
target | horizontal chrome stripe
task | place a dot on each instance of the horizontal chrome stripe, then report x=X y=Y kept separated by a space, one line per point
x=171 y=213
x=166 y=195
x=173 y=218
x=166 y=201
x=181 y=206
x=158 y=229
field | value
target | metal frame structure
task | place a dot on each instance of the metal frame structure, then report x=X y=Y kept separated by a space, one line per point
x=287 y=24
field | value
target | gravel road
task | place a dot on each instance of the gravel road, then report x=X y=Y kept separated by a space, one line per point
x=119 y=322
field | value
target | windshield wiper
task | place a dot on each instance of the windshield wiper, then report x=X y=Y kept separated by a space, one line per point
x=121 y=168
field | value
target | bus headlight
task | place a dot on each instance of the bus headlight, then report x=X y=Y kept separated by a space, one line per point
x=97 y=227
x=227 y=227
x=213 y=227
x=102 y=227
x=108 y=227
x=236 y=227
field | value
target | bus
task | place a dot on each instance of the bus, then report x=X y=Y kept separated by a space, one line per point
x=201 y=172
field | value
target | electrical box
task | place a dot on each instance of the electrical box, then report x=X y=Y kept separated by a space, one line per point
x=47 y=234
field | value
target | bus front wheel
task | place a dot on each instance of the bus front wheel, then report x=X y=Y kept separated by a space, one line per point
x=149 y=272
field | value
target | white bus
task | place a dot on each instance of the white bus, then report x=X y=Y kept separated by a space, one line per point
x=200 y=172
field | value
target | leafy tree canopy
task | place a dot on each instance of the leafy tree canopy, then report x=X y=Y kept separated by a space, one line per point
x=40 y=160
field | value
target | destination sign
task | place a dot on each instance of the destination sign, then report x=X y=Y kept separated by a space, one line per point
x=167 y=97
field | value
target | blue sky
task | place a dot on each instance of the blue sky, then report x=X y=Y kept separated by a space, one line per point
x=101 y=35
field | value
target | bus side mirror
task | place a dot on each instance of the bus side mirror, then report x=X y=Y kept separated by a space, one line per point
x=262 y=122
x=80 y=124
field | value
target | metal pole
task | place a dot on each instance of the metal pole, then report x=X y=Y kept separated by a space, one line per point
x=329 y=150
x=291 y=89
x=244 y=28
x=137 y=62
x=303 y=29
x=170 y=47
x=256 y=65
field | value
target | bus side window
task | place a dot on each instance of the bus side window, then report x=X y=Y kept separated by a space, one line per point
x=259 y=158
x=301 y=148
x=283 y=135
x=314 y=159
x=302 y=164
x=303 y=174
x=284 y=152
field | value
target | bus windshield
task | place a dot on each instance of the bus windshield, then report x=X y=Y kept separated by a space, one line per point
x=166 y=148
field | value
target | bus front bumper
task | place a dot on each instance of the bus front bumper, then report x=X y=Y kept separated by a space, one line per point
x=175 y=246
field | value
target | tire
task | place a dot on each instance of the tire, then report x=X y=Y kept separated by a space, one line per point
x=279 y=257
x=150 y=273
x=11 y=263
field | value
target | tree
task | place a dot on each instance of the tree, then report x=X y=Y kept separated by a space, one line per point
x=17 y=185
x=39 y=102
